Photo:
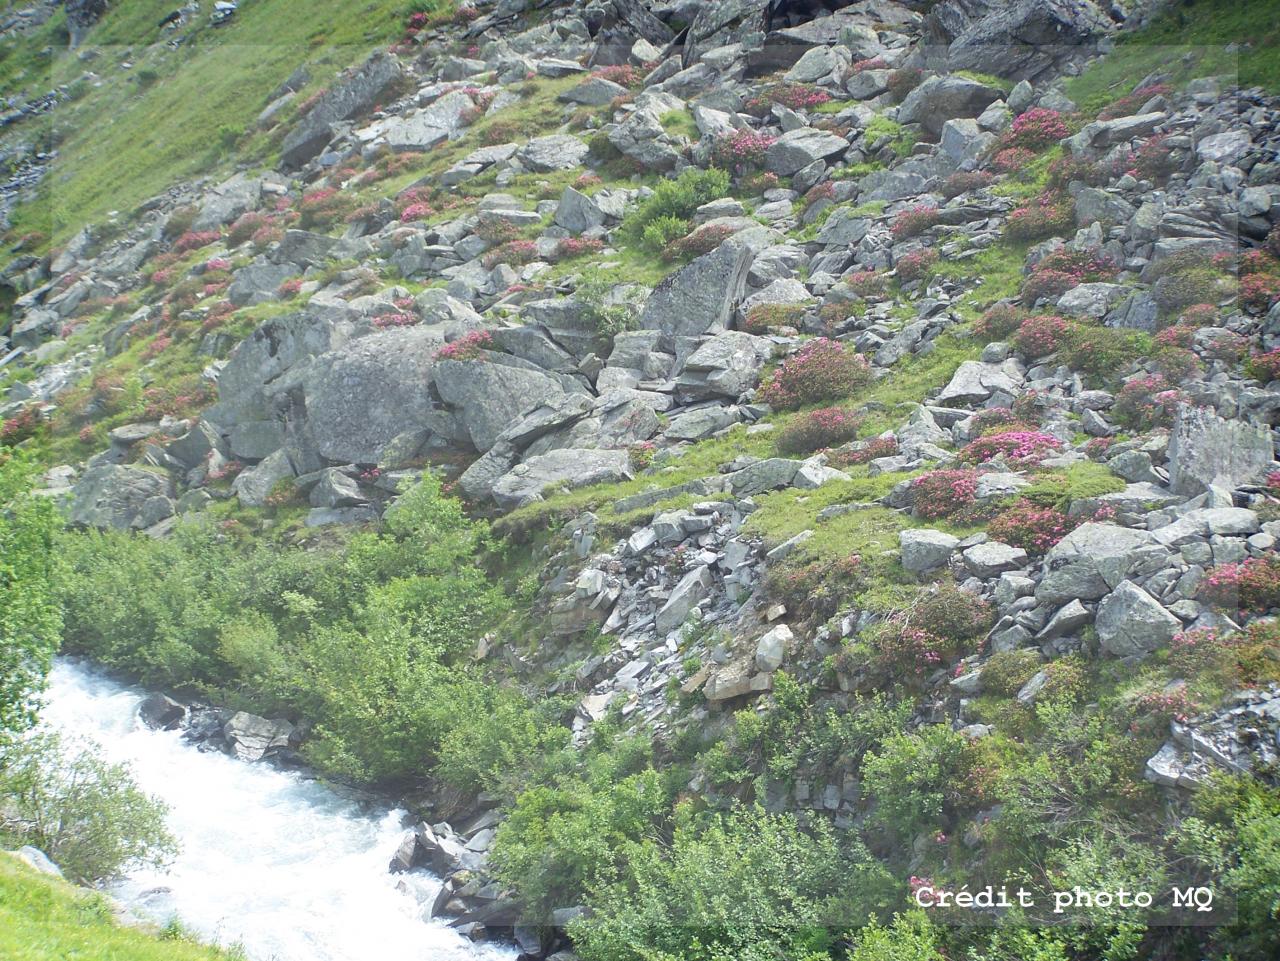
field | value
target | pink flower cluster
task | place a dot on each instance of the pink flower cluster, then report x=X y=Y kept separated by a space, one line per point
x=1041 y=335
x=1049 y=215
x=941 y=493
x=418 y=211
x=1264 y=367
x=515 y=252
x=571 y=247
x=822 y=370
x=915 y=265
x=867 y=283
x=195 y=239
x=1016 y=446
x=1145 y=403
x=818 y=429
x=871 y=450
x=1037 y=128
x=741 y=149
x=385 y=321
x=470 y=346
x=1252 y=585
x=914 y=220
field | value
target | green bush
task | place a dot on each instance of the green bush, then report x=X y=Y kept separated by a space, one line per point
x=745 y=885
x=1007 y=671
x=86 y=814
x=919 y=781
x=676 y=199
x=663 y=231
x=29 y=622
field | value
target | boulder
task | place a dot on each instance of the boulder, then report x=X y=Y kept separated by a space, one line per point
x=361 y=398
x=336 y=489
x=487 y=397
x=700 y=297
x=160 y=713
x=1131 y=623
x=120 y=497
x=1093 y=559
x=350 y=98
x=771 y=649
x=594 y=92
x=685 y=596
x=974 y=382
x=1205 y=449
x=577 y=212
x=568 y=468
x=254 y=485
x=253 y=738
x=925 y=549
x=992 y=558
x=559 y=151
x=940 y=99
x=1022 y=39
x=798 y=148
x=724 y=366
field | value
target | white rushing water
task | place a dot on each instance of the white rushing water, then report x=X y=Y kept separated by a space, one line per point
x=268 y=859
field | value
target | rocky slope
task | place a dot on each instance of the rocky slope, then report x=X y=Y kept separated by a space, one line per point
x=786 y=326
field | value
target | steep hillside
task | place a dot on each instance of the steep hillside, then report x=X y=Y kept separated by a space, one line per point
x=739 y=473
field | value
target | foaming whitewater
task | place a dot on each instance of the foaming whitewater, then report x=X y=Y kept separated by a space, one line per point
x=279 y=864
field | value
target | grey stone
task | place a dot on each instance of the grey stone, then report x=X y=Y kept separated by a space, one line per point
x=700 y=297
x=685 y=596
x=939 y=99
x=254 y=484
x=1130 y=622
x=798 y=148
x=991 y=558
x=1205 y=449
x=568 y=467
x=346 y=100
x=252 y=737
x=1094 y=558
x=119 y=497
x=924 y=549
x=555 y=152
x=771 y=649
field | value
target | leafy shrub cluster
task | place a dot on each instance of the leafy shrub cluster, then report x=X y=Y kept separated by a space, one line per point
x=916 y=265
x=1041 y=335
x=741 y=150
x=1145 y=403
x=675 y=200
x=914 y=220
x=1063 y=270
x=965 y=181
x=1251 y=585
x=1018 y=447
x=470 y=346
x=944 y=493
x=818 y=429
x=999 y=322
x=761 y=318
x=822 y=370
x=1048 y=216
x=701 y=240
x=797 y=96
x=1036 y=129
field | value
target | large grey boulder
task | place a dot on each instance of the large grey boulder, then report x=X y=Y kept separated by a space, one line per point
x=577 y=212
x=254 y=485
x=120 y=497
x=1130 y=622
x=361 y=398
x=247 y=384
x=974 y=382
x=257 y=283
x=227 y=201
x=940 y=99
x=642 y=137
x=798 y=148
x=594 y=92
x=1205 y=449
x=487 y=397
x=724 y=366
x=1022 y=39
x=700 y=297
x=356 y=95
x=559 y=151
x=442 y=119
x=1093 y=559
x=924 y=549
x=685 y=596
x=253 y=738
x=568 y=468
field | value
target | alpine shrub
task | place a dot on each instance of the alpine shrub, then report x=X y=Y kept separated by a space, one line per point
x=942 y=493
x=1145 y=403
x=818 y=429
x=822 y=370
x=1041 y=335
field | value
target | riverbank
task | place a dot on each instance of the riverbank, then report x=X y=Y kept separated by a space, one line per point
x=270 y=858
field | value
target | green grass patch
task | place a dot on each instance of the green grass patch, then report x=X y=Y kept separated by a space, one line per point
x=45 y=919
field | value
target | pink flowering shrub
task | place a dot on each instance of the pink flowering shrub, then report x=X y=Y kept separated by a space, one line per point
x=797 y=96
x=246 y=226
x=1153 y=160
x=999 y=322
x=867 y=283
x=914 y=220
x=1145 y=403
x=290 y=288
x=395 y=319
x=417 y=211
x=818 y=429
x=1041 y=335
x=822 y=370
x=1012 y=159
x=699 y=241
x=195 y=239
x=641 y=455
x=623 y=74
x=324 y=207
x=871 y=450
x=741 y=149
x=570 y=247
x=1252 y=585
x=1258 y=292
x=823 y=191
x=1033 y=528
x=965 y=181
x=943 y=493
x=515 y=252
x=916 y=265
x=1037 y=128
x=1019 y=447
x=470 y=346
x=870 y=63
x=1060 y=271
x=1049 y=215
x=1264 y=367
x=267 y=235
